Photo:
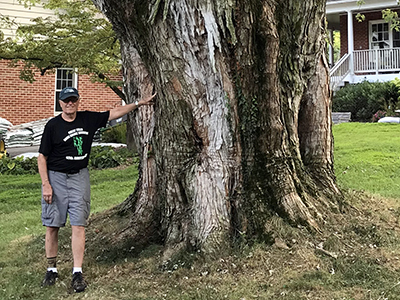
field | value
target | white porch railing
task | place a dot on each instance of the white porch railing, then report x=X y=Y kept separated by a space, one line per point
x=366 y=63
x=377 y=61
x=339 y=71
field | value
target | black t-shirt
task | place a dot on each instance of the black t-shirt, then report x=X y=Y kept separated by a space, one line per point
x=67 y=144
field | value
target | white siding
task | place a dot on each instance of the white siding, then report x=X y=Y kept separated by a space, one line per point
x=20 y=14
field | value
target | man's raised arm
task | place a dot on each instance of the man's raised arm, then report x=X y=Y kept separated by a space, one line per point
x=119 y=111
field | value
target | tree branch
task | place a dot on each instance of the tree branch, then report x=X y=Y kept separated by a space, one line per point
x=115 y=89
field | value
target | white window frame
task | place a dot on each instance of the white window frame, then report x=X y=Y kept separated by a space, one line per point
x=370 y=32
x=58 y=90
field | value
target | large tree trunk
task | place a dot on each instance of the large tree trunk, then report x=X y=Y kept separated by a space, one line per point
x=241 y=128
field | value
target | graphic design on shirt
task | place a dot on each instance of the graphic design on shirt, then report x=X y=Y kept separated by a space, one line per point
x=78 y=143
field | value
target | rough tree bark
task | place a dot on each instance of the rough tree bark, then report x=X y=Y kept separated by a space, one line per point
x=241 y=128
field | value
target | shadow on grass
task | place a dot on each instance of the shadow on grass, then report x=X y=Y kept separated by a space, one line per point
x=105 y=251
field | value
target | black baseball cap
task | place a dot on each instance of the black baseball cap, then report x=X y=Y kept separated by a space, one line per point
x=68 y=92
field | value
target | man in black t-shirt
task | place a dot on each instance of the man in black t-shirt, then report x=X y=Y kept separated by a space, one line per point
x=63 y=158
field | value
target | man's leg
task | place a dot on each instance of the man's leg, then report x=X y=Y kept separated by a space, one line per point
x=51 y=243
x=51 y=247
x=78 y=250
x=54 y=216
x=79 y=209
x=78 y=245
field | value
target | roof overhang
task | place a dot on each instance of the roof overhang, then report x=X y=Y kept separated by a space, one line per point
x=340 y=6
x=334 y=8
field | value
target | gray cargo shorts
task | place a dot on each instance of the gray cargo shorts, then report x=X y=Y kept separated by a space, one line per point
x=71 y=195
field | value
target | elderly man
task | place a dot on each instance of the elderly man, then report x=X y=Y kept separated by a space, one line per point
x=63 y=159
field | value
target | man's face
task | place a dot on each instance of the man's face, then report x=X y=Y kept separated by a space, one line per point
x=70 y=105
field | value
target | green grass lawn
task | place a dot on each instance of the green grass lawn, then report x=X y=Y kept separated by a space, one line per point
x=362 y=244
x=367 y=157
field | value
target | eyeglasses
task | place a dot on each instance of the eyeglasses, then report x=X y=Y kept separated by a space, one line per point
x=70 y=99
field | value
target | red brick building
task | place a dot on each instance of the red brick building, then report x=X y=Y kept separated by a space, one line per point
x=22 y=102
x=363 y=30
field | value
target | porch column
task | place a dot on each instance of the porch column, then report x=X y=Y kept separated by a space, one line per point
x=350 y=40
x=330 y=47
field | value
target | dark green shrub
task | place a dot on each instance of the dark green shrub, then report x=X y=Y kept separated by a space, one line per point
x=364 y=99
x=102 y=157
x=115 y=134
x=18 y=166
